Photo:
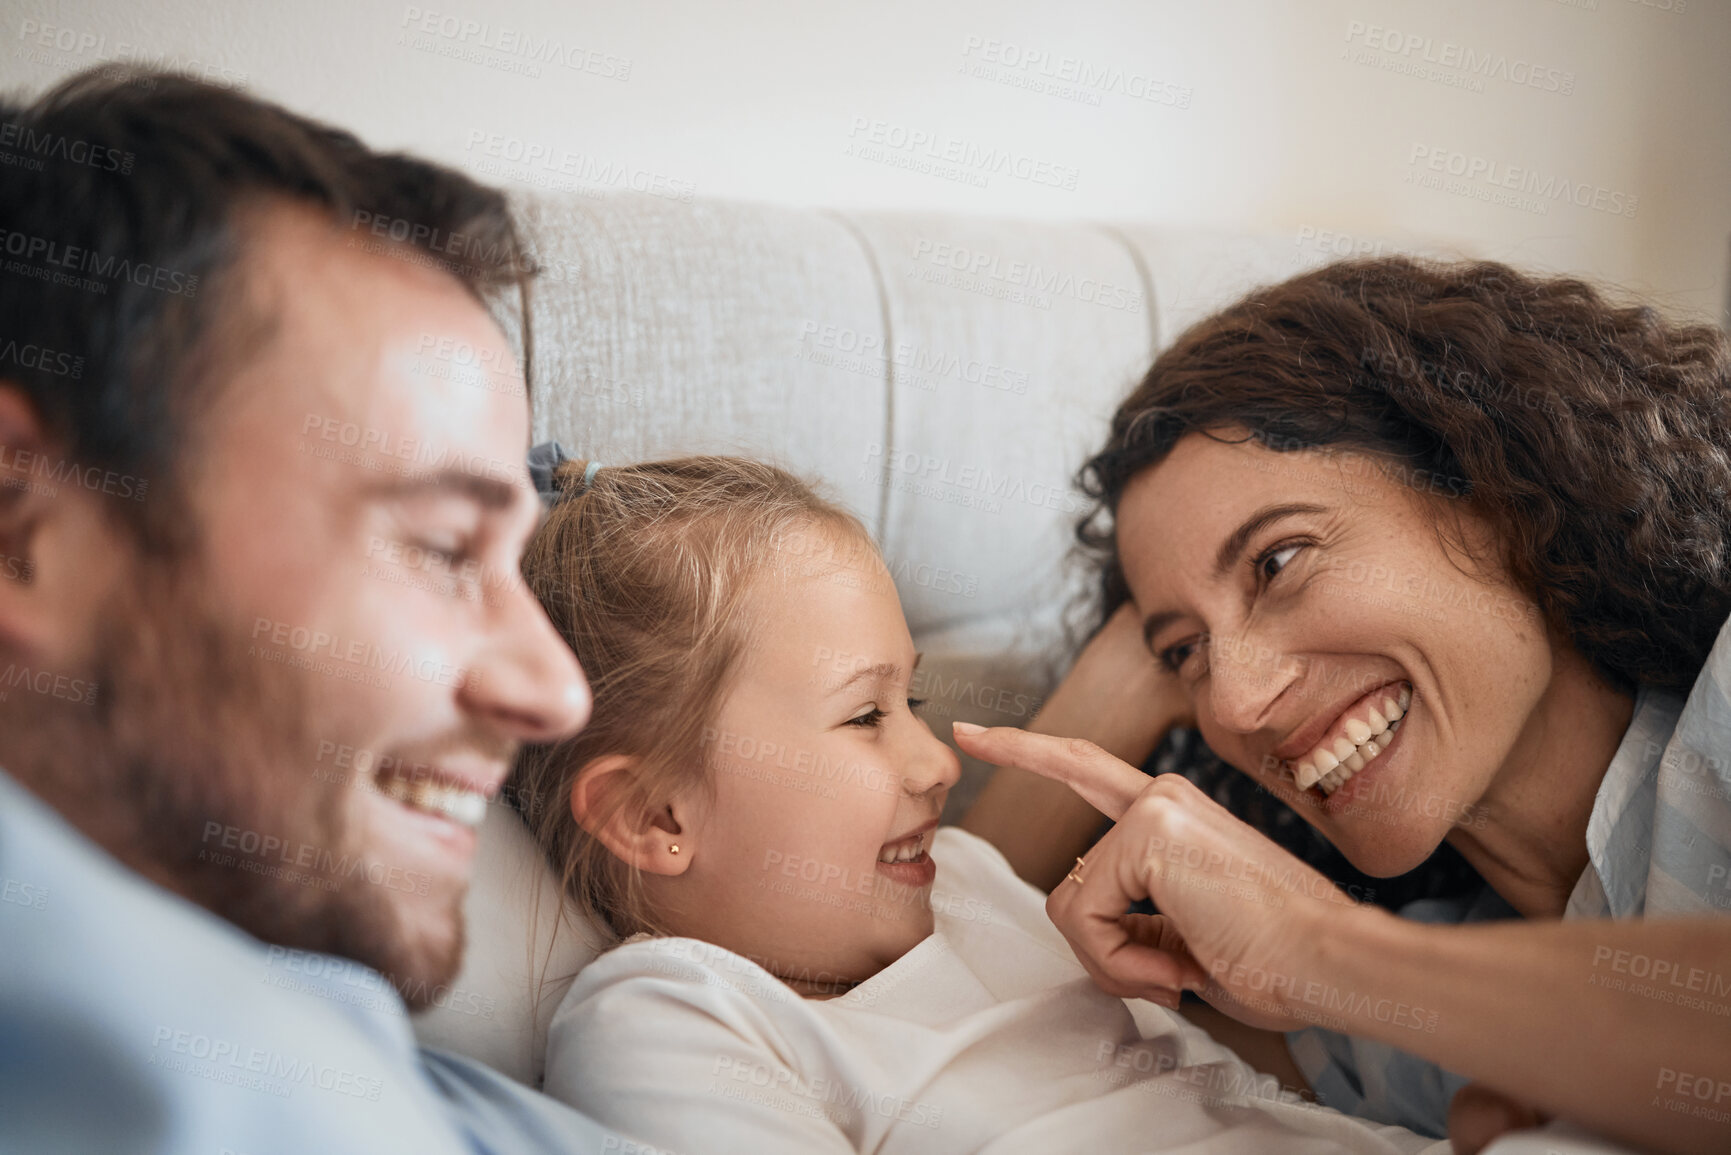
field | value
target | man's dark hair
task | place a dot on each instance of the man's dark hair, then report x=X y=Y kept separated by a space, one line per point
x=122 y=204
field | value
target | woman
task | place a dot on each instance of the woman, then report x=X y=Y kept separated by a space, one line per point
x=1431 y=553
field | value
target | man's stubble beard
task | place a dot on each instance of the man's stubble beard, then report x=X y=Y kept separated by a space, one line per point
x=195 y=741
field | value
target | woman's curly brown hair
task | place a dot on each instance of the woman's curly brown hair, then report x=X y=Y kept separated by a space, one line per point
x=1595 y=436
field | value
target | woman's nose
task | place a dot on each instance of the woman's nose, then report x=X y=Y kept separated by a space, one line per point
x=1244 y=677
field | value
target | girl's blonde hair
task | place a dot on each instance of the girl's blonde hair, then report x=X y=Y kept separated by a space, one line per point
x=644 y=572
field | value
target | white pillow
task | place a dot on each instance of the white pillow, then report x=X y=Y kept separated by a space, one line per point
x=521 y=956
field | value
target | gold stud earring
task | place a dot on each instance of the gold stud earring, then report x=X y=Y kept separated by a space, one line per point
x=673 y=849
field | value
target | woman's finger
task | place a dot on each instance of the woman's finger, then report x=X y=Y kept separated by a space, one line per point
x=1230 y=902
x=1106 y=783
x=1134 y=969
x=1157 y=932
x=1128 y=955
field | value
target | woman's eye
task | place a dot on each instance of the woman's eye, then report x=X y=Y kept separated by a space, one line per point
x=914 y=704
x=868 y=719
x=1271 y=563
x=1174 y=657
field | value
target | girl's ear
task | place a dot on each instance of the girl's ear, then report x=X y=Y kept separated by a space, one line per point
x=607 y=801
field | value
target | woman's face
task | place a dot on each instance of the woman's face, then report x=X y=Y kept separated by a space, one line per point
x=1306 y=600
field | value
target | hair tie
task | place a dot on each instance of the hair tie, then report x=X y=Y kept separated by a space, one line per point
x=544 y=461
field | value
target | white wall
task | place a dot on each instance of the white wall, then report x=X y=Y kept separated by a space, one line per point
x=1264 y=114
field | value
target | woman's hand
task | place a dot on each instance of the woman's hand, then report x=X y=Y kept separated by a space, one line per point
x=1115 y=695
x=1237 y=911
x=1535 y=1011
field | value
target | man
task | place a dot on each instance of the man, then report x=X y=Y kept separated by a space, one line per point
x=263 y=655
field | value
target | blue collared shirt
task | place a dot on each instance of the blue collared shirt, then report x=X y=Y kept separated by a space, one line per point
x=1658 y=842
x=134 y=1021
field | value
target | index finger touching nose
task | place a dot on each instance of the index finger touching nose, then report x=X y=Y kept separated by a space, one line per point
x=1106 y=783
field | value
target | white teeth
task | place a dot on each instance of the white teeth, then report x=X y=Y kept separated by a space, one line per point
x=903 y=851
x=1328 y=767
x=468 y=809
x=462 y=806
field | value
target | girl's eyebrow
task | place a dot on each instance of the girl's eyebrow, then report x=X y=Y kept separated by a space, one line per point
x=882 y=672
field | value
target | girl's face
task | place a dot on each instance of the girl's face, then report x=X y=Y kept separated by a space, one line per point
x=812 y=856
x=1332 y=646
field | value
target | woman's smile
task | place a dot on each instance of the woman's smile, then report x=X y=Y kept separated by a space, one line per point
x=1360 y=788
x=1358 y=735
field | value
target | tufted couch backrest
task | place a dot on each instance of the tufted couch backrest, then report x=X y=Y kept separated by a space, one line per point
x=944 y=376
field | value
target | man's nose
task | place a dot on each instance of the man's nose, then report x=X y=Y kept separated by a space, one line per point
x=527 y=682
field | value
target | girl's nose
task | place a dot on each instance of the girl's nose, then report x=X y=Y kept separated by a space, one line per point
x=933 y=767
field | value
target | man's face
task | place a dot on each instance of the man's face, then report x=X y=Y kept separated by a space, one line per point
x=316 y=705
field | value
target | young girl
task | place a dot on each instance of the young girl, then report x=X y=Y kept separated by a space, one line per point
x=807 y=963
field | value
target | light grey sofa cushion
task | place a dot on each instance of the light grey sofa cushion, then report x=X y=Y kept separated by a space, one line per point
x=943 y=376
